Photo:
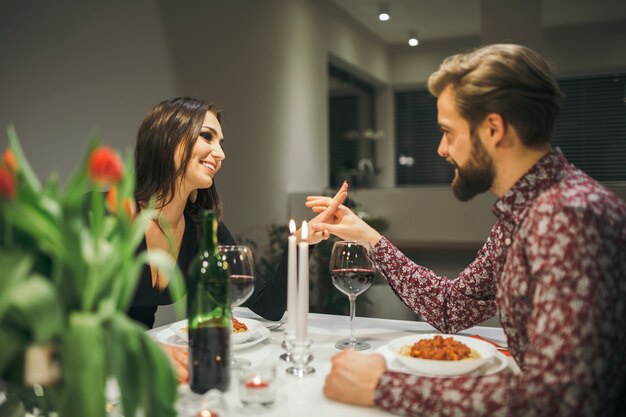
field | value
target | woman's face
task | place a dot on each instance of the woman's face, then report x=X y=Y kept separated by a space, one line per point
x=206 y=155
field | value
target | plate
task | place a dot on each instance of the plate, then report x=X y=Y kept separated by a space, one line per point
x=491 y=366
x=168 y=336
x=485 y=350
x=237 y=338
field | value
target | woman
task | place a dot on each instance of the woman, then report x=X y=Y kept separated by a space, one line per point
x=178 y=152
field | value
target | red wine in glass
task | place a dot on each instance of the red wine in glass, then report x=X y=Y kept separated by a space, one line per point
x=241 y=288
x=352 y=271
x=352 y=281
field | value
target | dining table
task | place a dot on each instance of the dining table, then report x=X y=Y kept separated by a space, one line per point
x=303 y=396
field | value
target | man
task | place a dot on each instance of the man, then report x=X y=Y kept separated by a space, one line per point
x=553 y=267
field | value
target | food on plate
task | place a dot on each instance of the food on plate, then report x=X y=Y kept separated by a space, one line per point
x=439 y=348
x=238 y=327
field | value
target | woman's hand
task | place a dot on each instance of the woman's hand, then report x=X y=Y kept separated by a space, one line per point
x=180 y=361
x=353 y=377
x=326 y=215
x=344 y=223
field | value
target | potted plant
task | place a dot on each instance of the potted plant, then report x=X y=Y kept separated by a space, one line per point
x=68 y=271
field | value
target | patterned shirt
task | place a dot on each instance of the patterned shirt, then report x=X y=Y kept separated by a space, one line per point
x=554 y=267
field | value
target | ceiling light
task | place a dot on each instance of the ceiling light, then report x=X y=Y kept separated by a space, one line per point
x=413 y=39
x=383 y=12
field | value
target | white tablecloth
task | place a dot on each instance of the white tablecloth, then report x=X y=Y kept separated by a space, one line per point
x=304 y=397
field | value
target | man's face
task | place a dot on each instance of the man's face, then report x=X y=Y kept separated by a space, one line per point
x=474 y=171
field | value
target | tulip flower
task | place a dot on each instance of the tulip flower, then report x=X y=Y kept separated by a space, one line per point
x=128 y=204
x=7 y=184
x=9 y=161
x=105 y=166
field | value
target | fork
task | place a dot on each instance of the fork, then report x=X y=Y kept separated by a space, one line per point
x=505 y=351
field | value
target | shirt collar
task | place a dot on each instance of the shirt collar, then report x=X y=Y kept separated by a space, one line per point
x=545 y=173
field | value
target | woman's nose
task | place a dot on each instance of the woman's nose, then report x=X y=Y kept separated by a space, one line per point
x=218 y=152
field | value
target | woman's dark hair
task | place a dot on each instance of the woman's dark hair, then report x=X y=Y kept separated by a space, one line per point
x=170 y=123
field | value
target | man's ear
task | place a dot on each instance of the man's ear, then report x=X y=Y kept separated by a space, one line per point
x=496 y=128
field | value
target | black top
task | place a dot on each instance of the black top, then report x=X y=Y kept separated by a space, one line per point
x=268 y=300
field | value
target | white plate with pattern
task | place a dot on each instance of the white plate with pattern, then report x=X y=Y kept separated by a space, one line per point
x=493 y=365
x=177 y=334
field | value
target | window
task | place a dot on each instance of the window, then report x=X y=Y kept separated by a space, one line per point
x=591 y=127
x=590 y=130
x=352 y=109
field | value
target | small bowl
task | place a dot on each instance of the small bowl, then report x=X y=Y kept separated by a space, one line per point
x=443 y=367
x=180 y=328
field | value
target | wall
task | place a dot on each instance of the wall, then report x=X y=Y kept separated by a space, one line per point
x=70 y=67
x=580 y=50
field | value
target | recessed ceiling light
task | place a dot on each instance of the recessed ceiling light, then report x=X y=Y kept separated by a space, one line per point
x=383 y=12
x=413 y=39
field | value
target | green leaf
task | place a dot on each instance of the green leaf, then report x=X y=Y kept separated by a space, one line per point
x=39 y=224
x=157 y=366
x=124 y=355
x=35 y=308
x=15 y=267
x=31 y=180
x=13 y=341
x=76 y=186
x=83 y=363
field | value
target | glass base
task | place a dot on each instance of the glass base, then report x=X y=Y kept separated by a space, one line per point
x=239 y=364
x=347 y=344
x=300 y=371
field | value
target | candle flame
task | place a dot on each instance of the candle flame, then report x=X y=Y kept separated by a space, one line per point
x=292 y=226
x=304 y=234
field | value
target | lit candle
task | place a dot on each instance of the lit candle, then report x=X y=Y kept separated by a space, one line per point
x=303 y=285
x=258 y=387
x=257 y=383
x=292 y=281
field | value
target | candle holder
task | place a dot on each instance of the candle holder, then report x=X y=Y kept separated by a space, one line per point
x=287 y=346
x=257 y=387
x=301 y=357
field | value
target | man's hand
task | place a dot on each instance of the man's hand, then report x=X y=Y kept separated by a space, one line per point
x=353 y=377
x=344 y=223
x=180 y=361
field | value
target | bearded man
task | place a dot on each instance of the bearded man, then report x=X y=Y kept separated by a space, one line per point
x=553 y=267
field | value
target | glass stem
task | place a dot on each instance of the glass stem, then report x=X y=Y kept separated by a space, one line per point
x=352 y=313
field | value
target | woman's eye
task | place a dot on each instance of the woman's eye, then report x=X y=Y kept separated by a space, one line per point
x=207 y=135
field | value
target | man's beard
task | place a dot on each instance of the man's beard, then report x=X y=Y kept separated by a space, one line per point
x=476 y=176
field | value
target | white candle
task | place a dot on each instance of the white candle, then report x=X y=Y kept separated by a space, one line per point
x=303 y=285
x=292 y=281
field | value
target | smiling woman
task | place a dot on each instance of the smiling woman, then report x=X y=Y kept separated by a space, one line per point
x=178 y=153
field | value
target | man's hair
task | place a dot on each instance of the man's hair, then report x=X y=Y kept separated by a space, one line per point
x=511 y=80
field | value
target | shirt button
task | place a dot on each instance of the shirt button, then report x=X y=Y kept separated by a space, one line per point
x=507 y=241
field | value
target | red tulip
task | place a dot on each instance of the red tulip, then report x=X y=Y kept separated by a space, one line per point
x=8 y=187
x=105 y=166
x=9 y=161
x=128 y=204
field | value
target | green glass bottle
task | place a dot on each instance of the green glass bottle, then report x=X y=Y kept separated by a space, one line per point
x=209 y=313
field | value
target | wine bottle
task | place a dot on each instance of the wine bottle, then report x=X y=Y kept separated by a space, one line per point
x=209 y=313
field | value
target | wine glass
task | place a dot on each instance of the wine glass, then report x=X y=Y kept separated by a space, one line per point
x=241 y=269
x=352 y=272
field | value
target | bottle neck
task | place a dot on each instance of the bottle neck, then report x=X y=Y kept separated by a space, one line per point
x=208 y=231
